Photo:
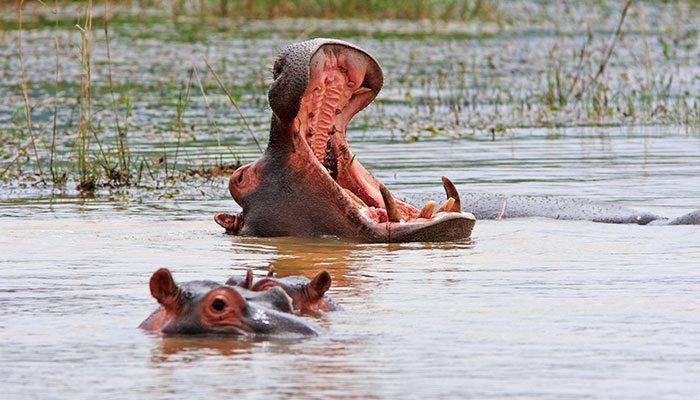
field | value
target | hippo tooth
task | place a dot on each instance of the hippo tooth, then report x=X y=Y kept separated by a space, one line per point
x=451 y=191
x=391 y=212
x=330 y=161
x=361 y=90
x=427 y=211
x=446 y=206
x=355 y=198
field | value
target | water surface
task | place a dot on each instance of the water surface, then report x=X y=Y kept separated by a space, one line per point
x=530 y=308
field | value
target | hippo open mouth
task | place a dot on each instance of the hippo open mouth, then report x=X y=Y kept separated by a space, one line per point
x=308 y=182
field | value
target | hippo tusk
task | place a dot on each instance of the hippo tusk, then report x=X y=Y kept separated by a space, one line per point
x=391 y=212
x=451 y=191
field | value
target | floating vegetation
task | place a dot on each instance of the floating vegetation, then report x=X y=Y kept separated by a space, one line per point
x=216 y=170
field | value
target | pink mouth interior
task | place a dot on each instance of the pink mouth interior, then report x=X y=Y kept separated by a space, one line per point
x=335 y=92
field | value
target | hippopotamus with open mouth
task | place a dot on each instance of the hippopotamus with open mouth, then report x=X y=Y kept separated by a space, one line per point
x=201 y=307
x=308 y=182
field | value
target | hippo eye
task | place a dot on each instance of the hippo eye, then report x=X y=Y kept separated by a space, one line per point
x=218 y=305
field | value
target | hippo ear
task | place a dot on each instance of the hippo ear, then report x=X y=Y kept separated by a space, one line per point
x=321 y=283
x=164 y=289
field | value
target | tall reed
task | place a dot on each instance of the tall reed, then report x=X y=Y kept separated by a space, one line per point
x=25 y=92
x=123 y=175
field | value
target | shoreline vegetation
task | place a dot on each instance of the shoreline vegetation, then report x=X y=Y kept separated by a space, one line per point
x=144 y=94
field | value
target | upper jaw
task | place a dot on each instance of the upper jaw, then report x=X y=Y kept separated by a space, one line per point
x=292 y=76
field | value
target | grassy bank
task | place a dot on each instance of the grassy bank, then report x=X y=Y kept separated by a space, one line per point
x=452 y=10
x=118 y=94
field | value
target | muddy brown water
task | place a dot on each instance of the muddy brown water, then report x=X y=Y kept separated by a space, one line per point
x=530 y=308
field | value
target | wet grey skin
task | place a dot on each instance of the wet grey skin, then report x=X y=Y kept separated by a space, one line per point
x=275 y=299
x=264 y=314
x=294 y=286
x=500 y=206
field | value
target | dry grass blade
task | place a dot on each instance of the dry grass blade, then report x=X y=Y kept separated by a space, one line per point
x=55 y=98
x=181 y=106
x=233 y=102
x=121 y=134
x=611 y=47
x=210 y=115
x=9 y=164
x=25 y=90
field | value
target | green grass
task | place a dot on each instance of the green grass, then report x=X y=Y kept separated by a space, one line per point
x=461 y=10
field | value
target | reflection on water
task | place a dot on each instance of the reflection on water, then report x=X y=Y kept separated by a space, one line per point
x=173 y=348
x=294 y=256
x=528 y=308
x=188 y=345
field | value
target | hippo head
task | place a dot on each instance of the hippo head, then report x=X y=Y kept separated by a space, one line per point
x=308 y=295
x=200 y=307
x=308 y=182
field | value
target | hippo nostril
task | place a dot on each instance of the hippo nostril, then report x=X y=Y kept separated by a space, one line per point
x=240 y=178
x=218 y=305
x=277 y=68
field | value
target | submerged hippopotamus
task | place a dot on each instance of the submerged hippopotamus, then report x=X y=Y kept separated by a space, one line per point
x=200 y=307
x=308 y=182
x=308 y=295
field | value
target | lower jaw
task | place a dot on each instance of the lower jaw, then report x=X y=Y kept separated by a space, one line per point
x=446 y=227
